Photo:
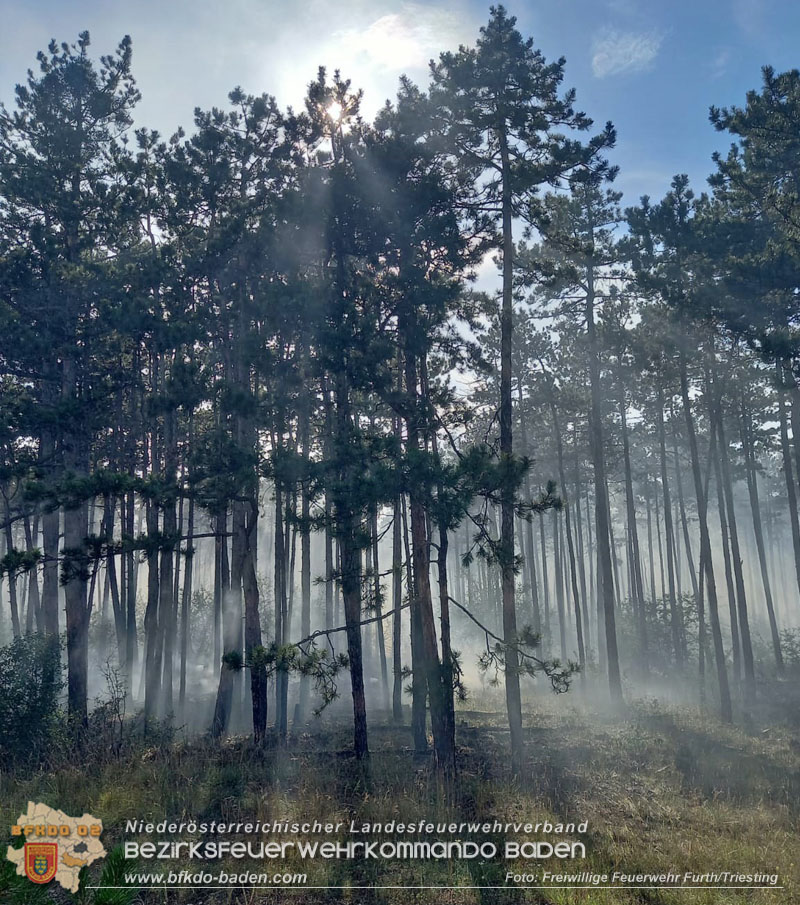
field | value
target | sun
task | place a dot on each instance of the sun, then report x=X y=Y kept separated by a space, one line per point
x=334 y=111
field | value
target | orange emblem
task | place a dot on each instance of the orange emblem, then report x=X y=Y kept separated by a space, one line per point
x=41 y=861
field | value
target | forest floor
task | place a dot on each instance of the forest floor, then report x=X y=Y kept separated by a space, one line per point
x=662 y=788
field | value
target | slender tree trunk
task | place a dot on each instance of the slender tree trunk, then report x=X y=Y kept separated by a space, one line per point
x=230 y=580
x=726 y=554
x=50 y=532
x=186 y=602
x=419 y=691
x=685 y=527
x=573 y=572
x=558 y=566
x=397 y=616
x=75 y=565
x=545 y=585
x=347 y=528
x=166 y=605
x=252 y=618
x=794 y=413
x=329 y=566
x=33 y=613
x=513 y=696
x=422 y=605
x=219 y=542
x=601 y=505
x=305 y=560
x=651 y=557
x=741 y=594
x=530 y=557
x=675 y=620
x=449 y=716
x=745 y=431
x=281 y=613
x=152 y=661
x=701 y=638
x=109 y=511
x=705 y=548
x=12 y=578
x=619 y=590
x=378 y=598
x=76 y=604
x=581 y=550
x=660 y=549
x=676 y=517
x=791 y=492
x=131 y=582
x=290 y=546
x=633 y=532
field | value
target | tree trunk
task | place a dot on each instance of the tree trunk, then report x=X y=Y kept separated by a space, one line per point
x=131 y=580
x=745 y=430
x=530 y=558
x=601 y=505
x=507 y=557
x=281 y=613
x=726 y=554
x=230 y=590
x=419 y=690
x=741 y=596
x=449 y=717
x=50 y=532
x=559 y=580
x=633 y=533
x=305 y=560
x=581 y=550
x=422 y=604
x=75 y=597
x=186 y=601
x=378 y=598
x=685 y=527
x=675 y=621
x=573 y=572
x=786 y=455
x=347 y=528
x=545 y=586
x=12 y=578
x=651 y=557
x=705 y=548
x=113 y=584
x=252 y=618
x=34 y=611
x=397 y=616
x=219 y=542
x=152 y=661
x=167 y=625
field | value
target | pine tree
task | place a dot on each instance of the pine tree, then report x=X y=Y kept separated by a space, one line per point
x=63 y=197
x=500 y=108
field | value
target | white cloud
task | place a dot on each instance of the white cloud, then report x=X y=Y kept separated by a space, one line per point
x=615 y=52
x=750 y=15
x=406 y=40
x=372 y=42
x=718 y=65
x=188 y=54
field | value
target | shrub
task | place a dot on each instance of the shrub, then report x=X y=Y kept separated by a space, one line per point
x=30 y=684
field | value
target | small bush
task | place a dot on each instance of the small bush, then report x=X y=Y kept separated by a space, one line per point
x=30 y=684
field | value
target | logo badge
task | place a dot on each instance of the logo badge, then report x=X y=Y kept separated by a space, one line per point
x=41 y=861
x=72 y=844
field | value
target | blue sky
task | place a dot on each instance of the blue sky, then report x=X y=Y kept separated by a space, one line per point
x=653 y=68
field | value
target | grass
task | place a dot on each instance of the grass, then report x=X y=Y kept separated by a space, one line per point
x=661 y=788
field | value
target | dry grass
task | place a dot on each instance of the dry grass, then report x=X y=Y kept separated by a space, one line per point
x=662 y=789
